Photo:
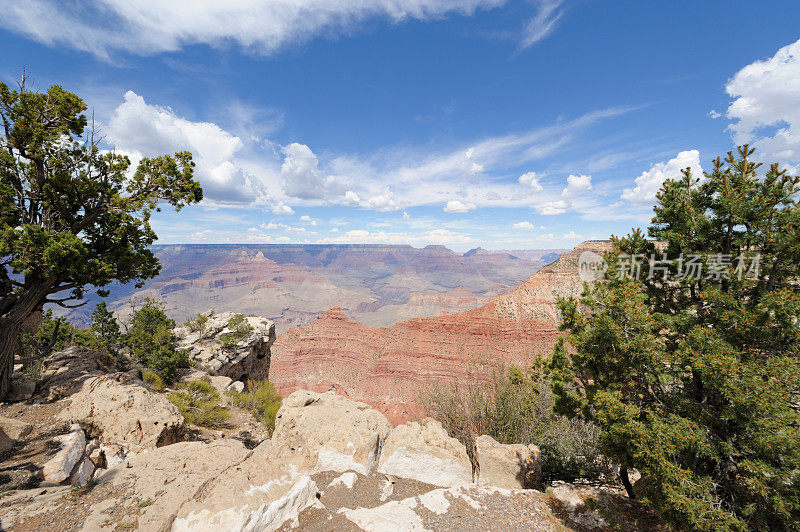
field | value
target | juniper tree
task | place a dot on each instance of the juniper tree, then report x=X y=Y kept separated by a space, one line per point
x=695 y=380
x=71 y=216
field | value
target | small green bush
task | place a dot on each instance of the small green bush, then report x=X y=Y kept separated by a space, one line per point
x=197 y=324
x=58 y=332
x=198 y=402
x=261 y=400
x=153 y=379
x=239 y=328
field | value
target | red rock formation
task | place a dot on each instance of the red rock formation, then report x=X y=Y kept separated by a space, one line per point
x=389 y=367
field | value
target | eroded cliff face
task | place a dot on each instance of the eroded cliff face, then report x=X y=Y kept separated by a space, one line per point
x=390 y=367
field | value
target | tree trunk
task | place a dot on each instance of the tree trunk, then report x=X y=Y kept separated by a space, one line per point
x=623 y=475
x=9 y=347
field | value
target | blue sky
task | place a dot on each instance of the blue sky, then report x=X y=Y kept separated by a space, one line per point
x=502 y=124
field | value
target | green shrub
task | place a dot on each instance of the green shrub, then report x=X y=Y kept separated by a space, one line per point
x=197 y=324
x=239 y=328
x=105 y=328
x=198 y=402
x=153 y=379
x=152 y=342
x=58 y=332
x=517 y=407
x=261 y=400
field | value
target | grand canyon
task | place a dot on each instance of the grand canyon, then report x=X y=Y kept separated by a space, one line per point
x=377 y=285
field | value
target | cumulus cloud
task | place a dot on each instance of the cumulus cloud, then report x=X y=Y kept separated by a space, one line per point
x=531 y=179
x=140 y=130
x=649 y=183
x=522 y=226
x=554 y=207
x=308 y=219
x=577 y=184
x=458 y=206
x=351 y=199
x=767 y=95
x=383 y=201
x=281 y=209
x=148 y=27
x=301 y=177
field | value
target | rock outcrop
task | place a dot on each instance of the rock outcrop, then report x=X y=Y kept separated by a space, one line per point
x=423 y=451
x=65 y=371
x=322 y=439
x=327 y=432
x=390 y=367
x=120 y=409
x=217 y=349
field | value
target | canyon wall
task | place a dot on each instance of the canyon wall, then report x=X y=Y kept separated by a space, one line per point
x=391 y=367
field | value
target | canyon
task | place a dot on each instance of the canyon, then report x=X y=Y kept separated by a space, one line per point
x=290 y=284
x=391 y=368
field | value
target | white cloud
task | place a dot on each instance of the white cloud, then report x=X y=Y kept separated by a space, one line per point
x=531 y=179
x=383 y=201
x=522 y=226
x=148 y=27
x=308 y=219
x=469 y=168
x=200 y=236
x=767 y=95
x=554 y=207
x=649 y=183
x=458 y=206
x=443 y=237
x=281 y=209
x=406 y=216
x=139 y=129
x=543 y=24
x=577 y=184
x=301 y=177
x=572 y=235
x=351 y=199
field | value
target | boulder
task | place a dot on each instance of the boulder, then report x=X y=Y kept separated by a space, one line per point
x=11 y=431
x=327 y=432
x=119 y=408
x=245 y=358
x=235 y=386
x=21 y=389
x=423 y=451
x=82 y=472
x=72 y=446
x=508 y=466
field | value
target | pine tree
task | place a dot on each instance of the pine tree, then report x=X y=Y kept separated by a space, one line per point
x=105 y=327
x=695 y=380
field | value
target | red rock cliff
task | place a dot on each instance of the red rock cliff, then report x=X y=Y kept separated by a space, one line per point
x=389 y=367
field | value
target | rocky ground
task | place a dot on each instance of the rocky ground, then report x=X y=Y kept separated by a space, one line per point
x=92 y=448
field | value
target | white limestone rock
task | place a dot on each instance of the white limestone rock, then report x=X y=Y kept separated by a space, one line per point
x=423 y=451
